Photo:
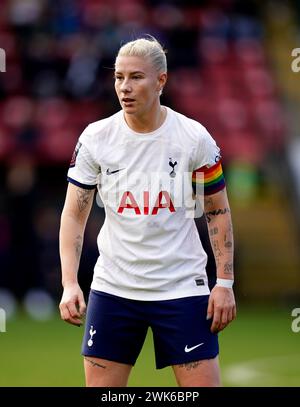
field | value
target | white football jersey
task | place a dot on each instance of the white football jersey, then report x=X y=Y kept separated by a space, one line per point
x=149 y=245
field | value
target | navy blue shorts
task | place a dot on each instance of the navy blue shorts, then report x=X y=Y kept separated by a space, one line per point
x=116 y=328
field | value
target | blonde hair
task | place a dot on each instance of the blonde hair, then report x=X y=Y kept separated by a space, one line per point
x=146 y=47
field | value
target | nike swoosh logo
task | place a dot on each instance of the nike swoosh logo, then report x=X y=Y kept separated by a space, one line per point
x=108 y=172
x=186 y=349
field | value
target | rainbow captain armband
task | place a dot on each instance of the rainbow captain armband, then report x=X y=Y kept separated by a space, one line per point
x=208 y=179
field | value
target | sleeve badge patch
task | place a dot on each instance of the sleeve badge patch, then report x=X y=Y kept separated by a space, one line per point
x=75 y=154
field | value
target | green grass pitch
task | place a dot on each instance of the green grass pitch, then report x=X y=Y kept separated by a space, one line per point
x=257 y=349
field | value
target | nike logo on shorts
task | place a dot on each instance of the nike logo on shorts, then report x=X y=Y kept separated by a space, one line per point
x=108 y=172
x=187 y=349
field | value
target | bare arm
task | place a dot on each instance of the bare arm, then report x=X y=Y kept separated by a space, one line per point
x=74 y=216
x=221 y=302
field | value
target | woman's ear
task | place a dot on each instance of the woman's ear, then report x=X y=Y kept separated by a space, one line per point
x=162 y=79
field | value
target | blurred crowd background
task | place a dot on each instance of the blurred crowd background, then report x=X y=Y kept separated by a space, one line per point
x=230 y=67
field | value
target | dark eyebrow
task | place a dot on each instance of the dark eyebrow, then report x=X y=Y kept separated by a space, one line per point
x=131 y=73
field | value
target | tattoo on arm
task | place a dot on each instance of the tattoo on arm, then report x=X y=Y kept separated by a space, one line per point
x=217 y=252
x=190 y=365
x=228 y=242
x=216 y=212
x=83 y=198
x=78 y=246
x=213 y=231
x=221 y=240
x=208 y=202
x=228 y=268
x=95 y=363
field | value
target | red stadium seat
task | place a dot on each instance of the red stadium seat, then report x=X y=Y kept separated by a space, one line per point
x=57 y=145
x=7 y=142
x=233 y=114
x=243 y=145
x=52 y=113
x=17 y=112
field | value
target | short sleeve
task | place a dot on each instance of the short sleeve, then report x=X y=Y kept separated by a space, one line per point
x=207 y=151
x=207 y=177
x=83 y=171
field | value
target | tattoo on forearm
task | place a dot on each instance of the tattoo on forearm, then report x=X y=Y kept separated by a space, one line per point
x=216 y=212
x=95 y=363
x=83 y=197
x=213 y=231
x=208 y=201
x=191 y=365
x=217 y=252
x=216 y=248
x=228 y=268
x=228 y=242
x=78 y=246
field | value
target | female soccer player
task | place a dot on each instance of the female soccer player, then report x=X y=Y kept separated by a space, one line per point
x=150 y=165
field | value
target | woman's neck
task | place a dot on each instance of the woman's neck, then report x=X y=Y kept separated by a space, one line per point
x=147 y=123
